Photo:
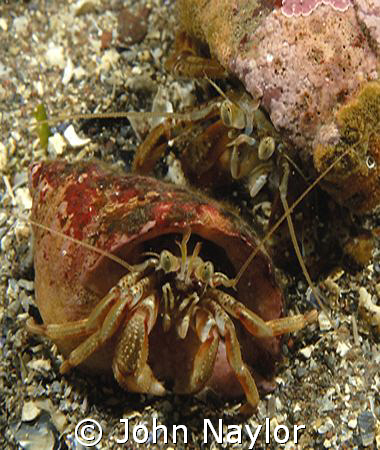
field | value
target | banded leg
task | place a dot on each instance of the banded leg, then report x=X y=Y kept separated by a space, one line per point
x=293 y=323
x=253 y=323
x=186 y=62
x=257 y=326
x=85 y=327
x=129 y=365
x=153 y=148
x=125 y=300
x=204 y=359
x=226 y=329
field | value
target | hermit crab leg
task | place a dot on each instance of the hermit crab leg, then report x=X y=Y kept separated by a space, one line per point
x=123 y=301
x=257 y=326
x=129 y=365
x=292 y=323
x=204 y=359
x=185 y=61
x=226 y=329
x=78 y=328
x=82 y=352
x=84 y=327
x=155 y=144
x=251 y=321
x=183 y=325
x=168 y=297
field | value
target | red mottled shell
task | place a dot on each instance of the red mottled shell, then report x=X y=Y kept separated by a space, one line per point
x=127 y=215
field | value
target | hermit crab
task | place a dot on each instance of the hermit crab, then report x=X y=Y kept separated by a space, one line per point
x=141 y=278
x=312 y=67
x=228 y=138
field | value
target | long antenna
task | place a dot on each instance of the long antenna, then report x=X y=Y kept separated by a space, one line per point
x=79 y=242
x=260 y=247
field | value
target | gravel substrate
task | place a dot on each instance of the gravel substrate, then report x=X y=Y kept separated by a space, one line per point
x=74 y=58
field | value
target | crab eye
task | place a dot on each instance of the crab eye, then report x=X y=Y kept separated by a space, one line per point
x=167 y=261
x=205 y=271
x=266 y=148
x=225 y=113
x=232 y=115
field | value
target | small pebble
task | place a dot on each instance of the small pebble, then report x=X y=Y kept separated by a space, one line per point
x=366 y=423
x=84 y=7
x=132 y=28
x=343 y=349
x=54 y=56
x=68 y=72
x=56 y=145
x=307 y=351
x=29 y=411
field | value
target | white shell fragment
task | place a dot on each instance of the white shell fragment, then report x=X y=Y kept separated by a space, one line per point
x=29 y=411
x=160 y=104
x=324 y=322
x=368 y=309
x=31 y=437
x=56 y=145
x=3 y=24
x=68 y=72
x=54 y=56
x=307 y=351
x=23 y=197
x=342 y=349
x=326 y=426
x=39 y=365
x=58 y=418
x=73 y=139
x=3 y=157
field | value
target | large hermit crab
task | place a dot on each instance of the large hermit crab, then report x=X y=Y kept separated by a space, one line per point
x=136 y=277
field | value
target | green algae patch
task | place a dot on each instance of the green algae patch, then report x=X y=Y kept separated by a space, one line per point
x=43 y=129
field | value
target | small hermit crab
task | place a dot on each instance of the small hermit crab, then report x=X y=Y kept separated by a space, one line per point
x=140 y=278
x=314 y=67
x=227 y=136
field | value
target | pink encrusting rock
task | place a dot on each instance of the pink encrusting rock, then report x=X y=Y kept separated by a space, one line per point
x=305 y=67
x=306 y=7
x=305 y=59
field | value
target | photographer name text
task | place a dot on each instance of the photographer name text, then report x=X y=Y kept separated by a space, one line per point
x=89 y=432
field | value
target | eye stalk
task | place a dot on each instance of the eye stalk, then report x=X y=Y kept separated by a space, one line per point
x=204 y=272
x=168 y=262
x=232 y=115
x=266 y=148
